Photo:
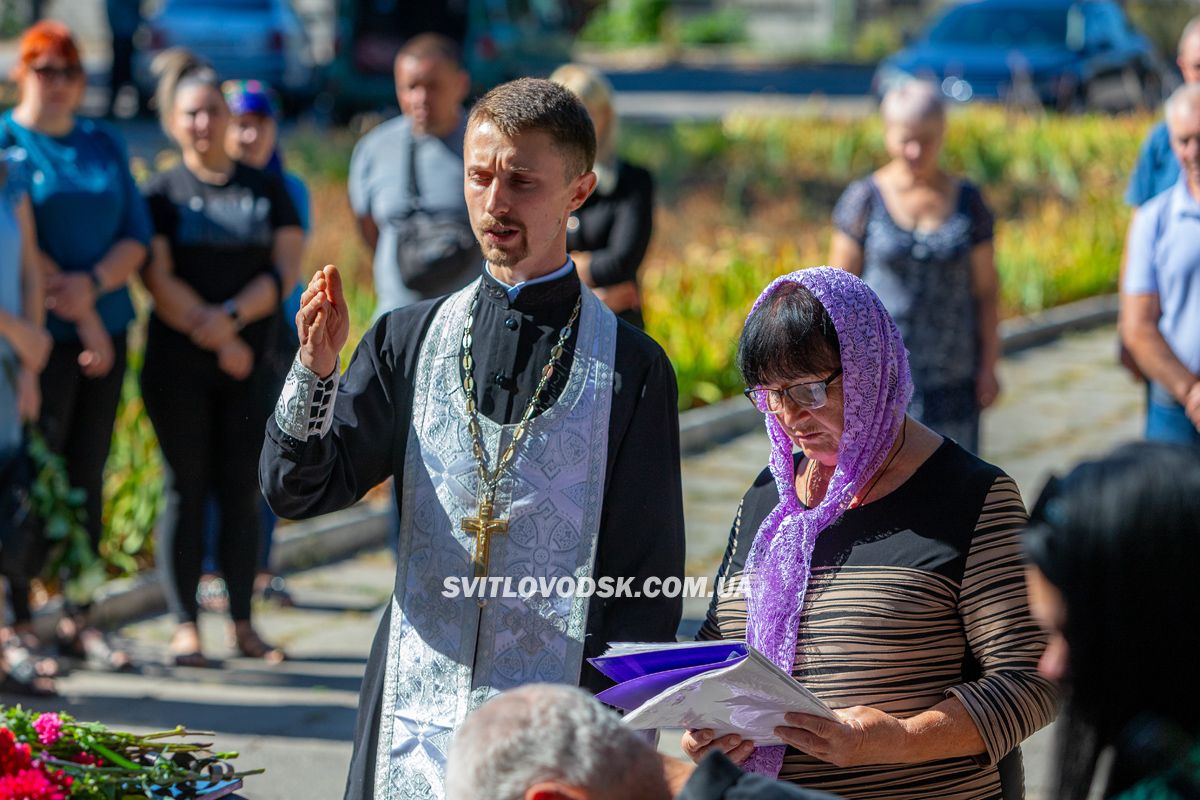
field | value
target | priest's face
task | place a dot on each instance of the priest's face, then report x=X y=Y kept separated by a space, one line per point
x=519 y=195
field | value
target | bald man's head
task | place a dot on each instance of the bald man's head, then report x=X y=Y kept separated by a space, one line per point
x=1189 y=51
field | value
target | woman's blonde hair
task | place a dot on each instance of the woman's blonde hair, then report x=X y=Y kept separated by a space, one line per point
x=597 y=95
x=172 y=69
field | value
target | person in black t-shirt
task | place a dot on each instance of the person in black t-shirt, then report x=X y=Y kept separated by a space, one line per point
x=609 y=234
x=226 y=248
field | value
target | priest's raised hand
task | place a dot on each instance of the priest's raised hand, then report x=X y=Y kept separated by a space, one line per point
x=323 y=321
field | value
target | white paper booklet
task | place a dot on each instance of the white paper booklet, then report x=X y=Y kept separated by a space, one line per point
x=724 y=685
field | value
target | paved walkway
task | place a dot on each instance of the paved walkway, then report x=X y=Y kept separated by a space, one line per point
x=1062 y=402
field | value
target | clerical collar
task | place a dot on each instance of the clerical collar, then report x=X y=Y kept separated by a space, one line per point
x=514 y=291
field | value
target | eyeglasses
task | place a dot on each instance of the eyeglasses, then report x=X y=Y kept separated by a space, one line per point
x=810 y=395
x=67 y=74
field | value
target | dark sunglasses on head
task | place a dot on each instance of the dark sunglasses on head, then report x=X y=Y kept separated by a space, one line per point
x=48 y=73
x=809 y=395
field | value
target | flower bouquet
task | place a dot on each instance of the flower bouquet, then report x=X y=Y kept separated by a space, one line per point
x=53 y=757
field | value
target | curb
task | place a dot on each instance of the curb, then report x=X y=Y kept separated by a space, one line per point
x=702 y=428
x=300 y=545
x=310 y=543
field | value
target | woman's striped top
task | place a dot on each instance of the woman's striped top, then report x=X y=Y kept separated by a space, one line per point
x=914 y=598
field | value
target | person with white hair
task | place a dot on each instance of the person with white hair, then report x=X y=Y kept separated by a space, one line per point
x=1160 y=290
x=923 y=240
x=550 y=742
x=1157 y=168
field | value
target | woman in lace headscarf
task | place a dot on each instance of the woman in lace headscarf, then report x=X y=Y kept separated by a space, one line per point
x=922 y=239
x=883 y=564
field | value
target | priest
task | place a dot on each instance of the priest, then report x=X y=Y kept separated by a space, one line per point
x=530 y=434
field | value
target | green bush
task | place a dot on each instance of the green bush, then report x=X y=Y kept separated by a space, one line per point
x=626 y=22
x=727 y=26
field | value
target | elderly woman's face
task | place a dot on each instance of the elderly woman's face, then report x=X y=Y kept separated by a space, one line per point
x=917 y=144
x=816 y=431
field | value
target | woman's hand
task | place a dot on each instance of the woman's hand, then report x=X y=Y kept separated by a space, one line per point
x=987 y=388
x=29 y=396
x=236 y=359
x=70 y=295
x=98 y=355
x=620 y=296
x=864 y=736
x=697 y=744
x=212 y=328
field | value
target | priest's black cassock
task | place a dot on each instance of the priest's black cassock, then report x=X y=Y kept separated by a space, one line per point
x=641 y=531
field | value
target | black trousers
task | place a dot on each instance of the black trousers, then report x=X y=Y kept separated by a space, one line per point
x=210 y=428
x=77 y=419
x=121 y=70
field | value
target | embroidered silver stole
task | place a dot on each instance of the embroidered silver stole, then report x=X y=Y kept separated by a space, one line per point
x=446 y=656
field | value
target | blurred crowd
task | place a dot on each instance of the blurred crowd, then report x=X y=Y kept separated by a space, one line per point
x=1083 y=604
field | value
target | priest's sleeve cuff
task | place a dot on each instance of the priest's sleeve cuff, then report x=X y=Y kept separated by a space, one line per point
x=305 y=404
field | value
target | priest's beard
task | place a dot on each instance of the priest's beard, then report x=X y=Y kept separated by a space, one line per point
x=504 y=258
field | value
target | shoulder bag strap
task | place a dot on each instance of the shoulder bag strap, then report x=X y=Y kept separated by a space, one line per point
x=414 y=188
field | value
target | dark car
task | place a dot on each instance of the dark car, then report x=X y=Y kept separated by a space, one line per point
x=501 y=40
x=1065 y=54
x=263 y=39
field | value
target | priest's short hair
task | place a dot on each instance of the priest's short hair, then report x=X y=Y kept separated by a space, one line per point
x=545 y=733
x=535 y=104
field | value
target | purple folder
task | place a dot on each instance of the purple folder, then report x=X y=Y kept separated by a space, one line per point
x=641 y=676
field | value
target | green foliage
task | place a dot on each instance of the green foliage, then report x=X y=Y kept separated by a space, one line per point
x=59 y=508
x=876 y=39
x=12 y=18
x=727 y=26
x=133 y=481
x=321 y=155
x=625 y=22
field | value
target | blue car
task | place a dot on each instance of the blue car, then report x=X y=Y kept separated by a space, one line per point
x=1064 y=54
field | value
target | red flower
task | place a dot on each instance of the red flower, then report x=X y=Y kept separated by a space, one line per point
x=14 y=756
x=31 y=784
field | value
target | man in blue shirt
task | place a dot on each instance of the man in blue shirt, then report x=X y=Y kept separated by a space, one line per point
x=1157 y=169
x=1160 y=292
x=422 y=148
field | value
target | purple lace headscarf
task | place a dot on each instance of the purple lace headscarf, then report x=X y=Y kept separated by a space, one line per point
x=876 y=387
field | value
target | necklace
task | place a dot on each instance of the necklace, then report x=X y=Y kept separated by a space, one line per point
x=870 y=486
x=484 y=524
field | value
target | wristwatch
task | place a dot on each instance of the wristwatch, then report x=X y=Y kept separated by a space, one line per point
x=230 y=308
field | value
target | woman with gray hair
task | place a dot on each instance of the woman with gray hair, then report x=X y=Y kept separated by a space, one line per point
x=923 y=240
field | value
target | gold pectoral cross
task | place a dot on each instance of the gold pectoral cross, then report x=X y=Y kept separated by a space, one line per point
x=483 y=525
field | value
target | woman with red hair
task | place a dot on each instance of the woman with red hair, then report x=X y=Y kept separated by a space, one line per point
x=80 y=174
